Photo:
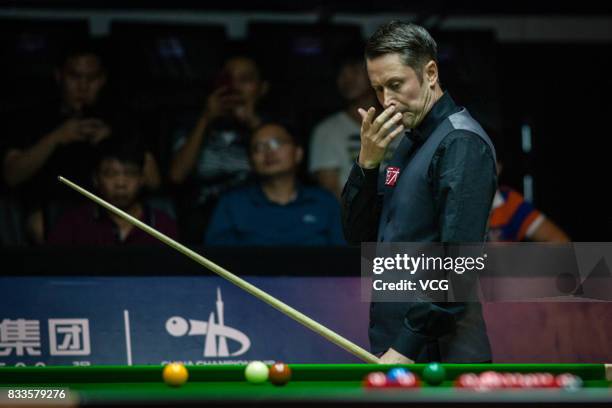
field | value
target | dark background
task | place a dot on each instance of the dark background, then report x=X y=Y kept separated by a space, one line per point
x=161 y=69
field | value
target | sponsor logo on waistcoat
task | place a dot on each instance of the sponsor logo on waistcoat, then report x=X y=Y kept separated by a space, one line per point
x=392 y=175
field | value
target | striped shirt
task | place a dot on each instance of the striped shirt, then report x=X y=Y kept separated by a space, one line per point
x=512 y=218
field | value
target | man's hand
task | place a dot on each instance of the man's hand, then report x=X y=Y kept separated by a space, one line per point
x=95 y=130
x=376 y=134
x=246 y=114
x=221 y=102
x=69 y=132
x=393 y=357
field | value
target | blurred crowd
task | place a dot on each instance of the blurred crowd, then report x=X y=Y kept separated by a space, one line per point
x=238 y=172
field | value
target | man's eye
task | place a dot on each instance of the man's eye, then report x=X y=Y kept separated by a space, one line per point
x=395 y=86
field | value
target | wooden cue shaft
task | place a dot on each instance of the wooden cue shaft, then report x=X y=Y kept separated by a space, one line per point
x=608 y=368
x=224 y=273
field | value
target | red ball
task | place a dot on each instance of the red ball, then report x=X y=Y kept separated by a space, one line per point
x=377 y=379
x=279 y=374
x=408 y=380
x=511 y=380
x=529 y=381
x=468 y=380
x=546 y=380
x=490 y=380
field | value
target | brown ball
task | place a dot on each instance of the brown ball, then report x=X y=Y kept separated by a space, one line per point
x=280 y=374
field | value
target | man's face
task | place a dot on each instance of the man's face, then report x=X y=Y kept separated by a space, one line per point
x=398 y=84
x=81 y=79
x=119 y=183
x=353 y=81
x=245 y=79
x=273 y=152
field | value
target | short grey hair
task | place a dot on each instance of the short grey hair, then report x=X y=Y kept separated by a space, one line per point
x=412 y=42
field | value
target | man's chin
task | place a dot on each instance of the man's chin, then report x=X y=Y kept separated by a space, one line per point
x=123 y=205
x=267 y=175
x=273 y=173
x=410 y=122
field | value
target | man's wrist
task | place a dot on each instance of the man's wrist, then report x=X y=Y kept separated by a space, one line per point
x=363 y=173
x=54 y=138
x=202 y=123
x=409 y=343
x=368 y=165
x=392 y=356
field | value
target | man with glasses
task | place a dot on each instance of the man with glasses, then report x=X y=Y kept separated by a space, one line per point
x=275 y=209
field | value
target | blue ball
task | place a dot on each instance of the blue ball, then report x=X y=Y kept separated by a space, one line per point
x=394 y=373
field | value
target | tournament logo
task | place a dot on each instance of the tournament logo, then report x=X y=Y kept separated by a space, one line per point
x=215 y=330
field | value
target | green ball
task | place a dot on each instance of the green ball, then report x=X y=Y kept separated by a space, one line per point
x=434 y=373
x=256 y=372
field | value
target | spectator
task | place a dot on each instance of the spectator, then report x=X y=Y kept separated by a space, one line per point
x=60 y=138
x=119 y=179
x=514 y=219
x=212 y=157
x=276 y=210
x=335 y=141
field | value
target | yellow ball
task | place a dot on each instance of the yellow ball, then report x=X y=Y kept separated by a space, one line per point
x=175 y=374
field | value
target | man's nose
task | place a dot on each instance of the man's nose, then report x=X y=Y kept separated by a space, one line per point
x=83 y=84
x=121 y=180
x=387 y=99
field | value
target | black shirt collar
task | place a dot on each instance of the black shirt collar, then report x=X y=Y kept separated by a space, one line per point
x=443 y=108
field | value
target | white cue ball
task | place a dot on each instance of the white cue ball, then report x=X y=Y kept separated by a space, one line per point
x=256 y=372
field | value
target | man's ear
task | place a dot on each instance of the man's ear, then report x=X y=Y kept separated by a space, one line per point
x=103 y=78
x=299 y=154
x=264 y=89
x=141 y=181
x=431 y=73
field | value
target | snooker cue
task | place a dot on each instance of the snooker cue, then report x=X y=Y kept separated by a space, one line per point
x=241 y=283
x=608 y=368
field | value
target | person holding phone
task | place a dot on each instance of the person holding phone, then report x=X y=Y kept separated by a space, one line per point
x=59 y=137
x=212 y=157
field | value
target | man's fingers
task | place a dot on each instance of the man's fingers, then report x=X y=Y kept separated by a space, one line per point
x=371 y=113
x=221 y=90
x=366 y=118
x=389 y=124
x=382 y=118
x=385 y=142
x=362 y=113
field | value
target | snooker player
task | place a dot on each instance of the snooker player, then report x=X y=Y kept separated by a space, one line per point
x=439 y=186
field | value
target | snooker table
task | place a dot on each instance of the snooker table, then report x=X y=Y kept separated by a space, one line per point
x=311 y=384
